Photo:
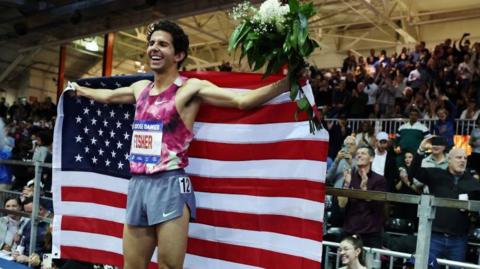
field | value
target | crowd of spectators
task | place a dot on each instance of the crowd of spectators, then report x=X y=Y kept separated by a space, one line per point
x=443 y=80
x=442 y=84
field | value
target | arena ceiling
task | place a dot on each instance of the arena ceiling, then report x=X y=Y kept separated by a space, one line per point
x=31 y=31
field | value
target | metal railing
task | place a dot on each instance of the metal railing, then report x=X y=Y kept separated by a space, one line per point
x=36 y=199
x=462 y=127
x=372 y=255
x=427 y=205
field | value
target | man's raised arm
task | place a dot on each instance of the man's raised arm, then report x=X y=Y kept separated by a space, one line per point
x=124 y=95
x=214 y=95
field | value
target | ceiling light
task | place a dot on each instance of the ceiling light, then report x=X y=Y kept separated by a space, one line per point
x=91 y=44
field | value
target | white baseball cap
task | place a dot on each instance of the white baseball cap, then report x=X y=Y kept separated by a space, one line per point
x=382 y=136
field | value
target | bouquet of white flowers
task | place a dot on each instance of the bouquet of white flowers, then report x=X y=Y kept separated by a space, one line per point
x=276 y=35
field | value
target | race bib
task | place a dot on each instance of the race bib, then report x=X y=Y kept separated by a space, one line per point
x=146 y=142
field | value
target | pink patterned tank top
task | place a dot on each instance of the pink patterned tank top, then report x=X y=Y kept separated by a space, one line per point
x=160 y=139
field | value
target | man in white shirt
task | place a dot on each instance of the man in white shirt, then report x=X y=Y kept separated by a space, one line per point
x=371 y=90
x=384 y=162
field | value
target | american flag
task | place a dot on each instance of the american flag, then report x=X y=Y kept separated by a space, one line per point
x=258 y=177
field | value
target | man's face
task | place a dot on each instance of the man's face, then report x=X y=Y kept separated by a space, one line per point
x=161 y=53
x=382 y=145
x=363 y=157
x=457 y=161
x=413 y=116
x=28 y=207
x=442 y=114
x=438 y=149
x=12 y=204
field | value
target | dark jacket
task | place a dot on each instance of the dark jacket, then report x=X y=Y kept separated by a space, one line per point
x=441 y=183
x=364 y=217
x=391 y=173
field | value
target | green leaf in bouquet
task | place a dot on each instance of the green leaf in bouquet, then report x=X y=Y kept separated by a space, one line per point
x=293 y=89
x=306 y=49
x=237 y=35
x=286 y=44
x=303 y=31
x=307 y=9
x=249 y=44
x=275 y=64
x=259 y=62
x=253 y=36
x=303 y=104
x=294 y=36
x=293 y=5
x=251 y=57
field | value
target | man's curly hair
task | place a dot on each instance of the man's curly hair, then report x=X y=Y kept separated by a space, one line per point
x=180 y=39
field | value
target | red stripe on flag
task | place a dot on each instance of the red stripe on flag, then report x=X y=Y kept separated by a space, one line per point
x=95 y=256
x=91 y=225
x=284 y=150
x=304 y=189
x=93 y=195
x=234 y=79
x=276 y=113
x=248 y=255
x=262 y=223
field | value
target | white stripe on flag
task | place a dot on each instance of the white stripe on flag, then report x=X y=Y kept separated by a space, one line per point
x=256 y=133
x=275 y=242
x=293 y=207
x=274 y=169
x=93 y=180
x=280 y=99
x=91 y=210
x=199 y=262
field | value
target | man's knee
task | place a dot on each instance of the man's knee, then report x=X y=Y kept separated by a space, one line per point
x=165 y=264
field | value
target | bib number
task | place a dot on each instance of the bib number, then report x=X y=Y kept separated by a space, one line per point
x=185 y=185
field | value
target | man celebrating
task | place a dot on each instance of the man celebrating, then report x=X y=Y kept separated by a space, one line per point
x=453 y=182
x=384 y=162
x=364 y=217
x=160 y=199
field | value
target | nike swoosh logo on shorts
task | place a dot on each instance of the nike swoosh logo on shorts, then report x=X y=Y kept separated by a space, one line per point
x=168 y=214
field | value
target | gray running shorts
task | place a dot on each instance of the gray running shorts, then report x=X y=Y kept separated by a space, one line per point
x=157 y=198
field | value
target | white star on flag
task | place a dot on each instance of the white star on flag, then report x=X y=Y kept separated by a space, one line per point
x=78 y=139
x=78 y=158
